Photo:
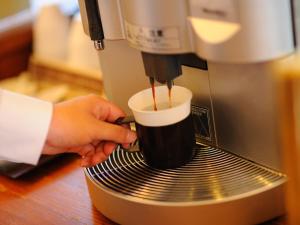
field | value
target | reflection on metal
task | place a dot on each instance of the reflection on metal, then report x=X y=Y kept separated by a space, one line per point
x=212 y=175
x=215 y=187
x=263 y=180
x=99 y=44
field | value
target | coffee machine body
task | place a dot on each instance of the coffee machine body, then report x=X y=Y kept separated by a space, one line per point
x=227 y=50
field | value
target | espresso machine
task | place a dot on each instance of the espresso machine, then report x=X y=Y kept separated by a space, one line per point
x=224 y=51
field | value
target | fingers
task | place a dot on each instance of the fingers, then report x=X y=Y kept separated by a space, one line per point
x=109 y=147
x=111 y=132
x=87 y=159
x=105 y=113
x=85 y=126
x=101 y=153
x=105 y=110
x=84 y=150
x=114 y=113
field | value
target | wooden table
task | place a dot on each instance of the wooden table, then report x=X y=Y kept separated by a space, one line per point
x=54 y=194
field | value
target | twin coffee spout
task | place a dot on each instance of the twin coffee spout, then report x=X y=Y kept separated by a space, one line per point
x=162 y=67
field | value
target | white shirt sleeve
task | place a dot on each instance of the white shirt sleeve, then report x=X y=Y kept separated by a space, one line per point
x=24 y=124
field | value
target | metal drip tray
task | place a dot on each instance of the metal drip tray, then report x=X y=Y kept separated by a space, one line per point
x=212 y=175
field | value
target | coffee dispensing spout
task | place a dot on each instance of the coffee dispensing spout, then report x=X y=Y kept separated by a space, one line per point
x=161 y=67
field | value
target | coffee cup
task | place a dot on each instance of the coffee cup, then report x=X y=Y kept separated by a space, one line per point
x=166 y=137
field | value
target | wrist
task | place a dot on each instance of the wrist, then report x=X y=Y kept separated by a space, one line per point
x=51 y=128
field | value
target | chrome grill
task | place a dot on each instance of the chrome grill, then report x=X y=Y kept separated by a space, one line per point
x=212 y=175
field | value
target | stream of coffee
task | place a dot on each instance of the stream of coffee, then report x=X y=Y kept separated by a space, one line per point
x=169 y=85
x=170 y=97
x=153 y=94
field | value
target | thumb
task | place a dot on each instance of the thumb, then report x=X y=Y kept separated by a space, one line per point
x=112 y=132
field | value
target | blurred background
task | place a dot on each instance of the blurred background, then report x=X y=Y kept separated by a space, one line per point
x=44 y=52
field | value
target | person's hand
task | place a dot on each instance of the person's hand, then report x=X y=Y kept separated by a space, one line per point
x=85 y=126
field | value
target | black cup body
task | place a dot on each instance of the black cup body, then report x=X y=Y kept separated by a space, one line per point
x=169 y=146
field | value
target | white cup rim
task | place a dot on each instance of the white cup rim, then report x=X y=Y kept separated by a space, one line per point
x=161 y=117
x=152 y=111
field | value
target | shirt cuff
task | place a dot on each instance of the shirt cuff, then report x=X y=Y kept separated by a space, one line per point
x=24 y=124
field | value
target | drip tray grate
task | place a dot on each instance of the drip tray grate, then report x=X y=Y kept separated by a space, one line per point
x=212 y=175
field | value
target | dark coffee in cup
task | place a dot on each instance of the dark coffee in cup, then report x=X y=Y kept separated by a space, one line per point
x=166 y=135
x=167 y=146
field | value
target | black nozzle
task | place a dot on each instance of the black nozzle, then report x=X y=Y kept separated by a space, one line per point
x=95 y=24
x=163 y=68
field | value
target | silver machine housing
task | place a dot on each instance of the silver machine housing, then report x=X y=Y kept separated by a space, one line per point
x=237 y=176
